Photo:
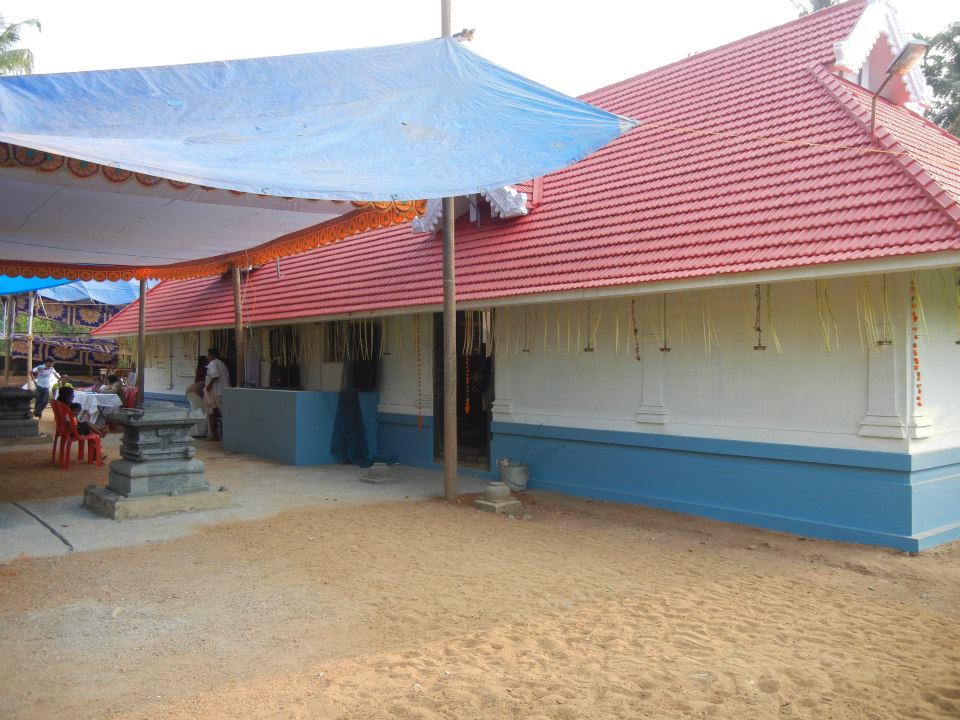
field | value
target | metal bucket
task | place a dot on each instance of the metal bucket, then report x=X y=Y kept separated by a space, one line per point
x=515 y=475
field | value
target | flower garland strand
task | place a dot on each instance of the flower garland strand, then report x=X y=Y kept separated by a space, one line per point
x=636 y=330
x=416 y=332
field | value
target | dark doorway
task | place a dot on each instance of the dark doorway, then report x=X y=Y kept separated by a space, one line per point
x=474 y=387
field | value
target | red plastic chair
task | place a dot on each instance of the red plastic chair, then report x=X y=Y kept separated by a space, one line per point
x=130 y=397
x=92 y=442
x=62 y=432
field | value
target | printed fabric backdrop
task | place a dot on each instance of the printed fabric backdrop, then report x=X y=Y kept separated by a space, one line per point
x=88 y=315
x=73 y=350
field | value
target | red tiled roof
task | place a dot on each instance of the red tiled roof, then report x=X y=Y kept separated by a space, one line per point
x=693 y=192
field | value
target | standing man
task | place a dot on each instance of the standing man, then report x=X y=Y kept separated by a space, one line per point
x=217 y=378
x=46 y=377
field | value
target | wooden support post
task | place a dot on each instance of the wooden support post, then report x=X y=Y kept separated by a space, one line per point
x=450 y=440
x=30 y=301
x=9 y=304
x=141 y=344
x=241 y=344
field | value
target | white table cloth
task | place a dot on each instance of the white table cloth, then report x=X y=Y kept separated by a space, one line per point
x=95 y=403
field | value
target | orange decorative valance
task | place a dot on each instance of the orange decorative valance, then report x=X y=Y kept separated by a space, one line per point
x=365 y=216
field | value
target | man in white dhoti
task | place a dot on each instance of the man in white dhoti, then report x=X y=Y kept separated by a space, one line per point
x=217 y=378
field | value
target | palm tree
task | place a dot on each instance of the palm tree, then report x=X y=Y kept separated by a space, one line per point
x=15 y=61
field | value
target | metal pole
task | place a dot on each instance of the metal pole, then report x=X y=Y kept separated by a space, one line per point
x=450 y=442
x=30 y=301
x=445 y=29
x=9 y=305
x=141 y=344
x=873 y=109
x=240 y=342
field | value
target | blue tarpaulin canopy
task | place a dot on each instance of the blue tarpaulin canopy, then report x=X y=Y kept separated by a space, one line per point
x=119 y=292
x=81 y=181
x=18 y=285
x=423 y=120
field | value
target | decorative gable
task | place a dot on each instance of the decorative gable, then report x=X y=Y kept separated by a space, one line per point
x=505 y=202
x=865 y=54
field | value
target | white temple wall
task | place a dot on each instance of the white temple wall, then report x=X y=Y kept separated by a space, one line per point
x=808 y=394
x=399 y=392
x=171 y=360
x=939 y=359
x=846 y=391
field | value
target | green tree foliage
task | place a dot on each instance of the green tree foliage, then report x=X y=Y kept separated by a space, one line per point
x=14 y=60
x=45 y=326
x=941 y=66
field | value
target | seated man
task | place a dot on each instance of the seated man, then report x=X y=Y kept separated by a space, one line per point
x=113 y=385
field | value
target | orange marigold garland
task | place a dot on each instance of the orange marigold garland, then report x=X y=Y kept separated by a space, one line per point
x=82 y=168
x=366 y=216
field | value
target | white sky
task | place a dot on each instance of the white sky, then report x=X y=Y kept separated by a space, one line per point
x=571 y=45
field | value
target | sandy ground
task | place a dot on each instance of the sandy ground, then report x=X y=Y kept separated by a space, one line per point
x=418 y=609
x=23 y=478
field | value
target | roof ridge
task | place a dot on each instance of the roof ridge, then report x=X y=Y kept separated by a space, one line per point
x=897 y=153
x=818 y=14
x=849 y=85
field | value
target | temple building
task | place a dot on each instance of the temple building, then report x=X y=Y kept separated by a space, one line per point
x=747 y=309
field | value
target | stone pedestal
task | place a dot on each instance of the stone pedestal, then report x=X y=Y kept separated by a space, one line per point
x=496 y=498
x=16 y=413
x=157 y=472
x=379 y=473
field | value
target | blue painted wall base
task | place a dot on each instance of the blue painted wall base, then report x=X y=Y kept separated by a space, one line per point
x=400 y=435
x=290 y=426
x=909 y=502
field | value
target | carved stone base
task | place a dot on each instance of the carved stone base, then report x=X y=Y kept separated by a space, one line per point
x=16 y=416
x=157 y=468
x=379 y=473
x=159 y=477
x=497 y=499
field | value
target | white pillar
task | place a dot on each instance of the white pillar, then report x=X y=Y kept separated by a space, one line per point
x=883 y=418
x=502 y=384
x=652 y=409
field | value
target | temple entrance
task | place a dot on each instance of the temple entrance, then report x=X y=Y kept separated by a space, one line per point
x=474 y=387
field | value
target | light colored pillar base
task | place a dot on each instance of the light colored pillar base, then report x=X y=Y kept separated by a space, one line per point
x=35 y=440
x=117 y=507
x=497 y=499
x=379 y=473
